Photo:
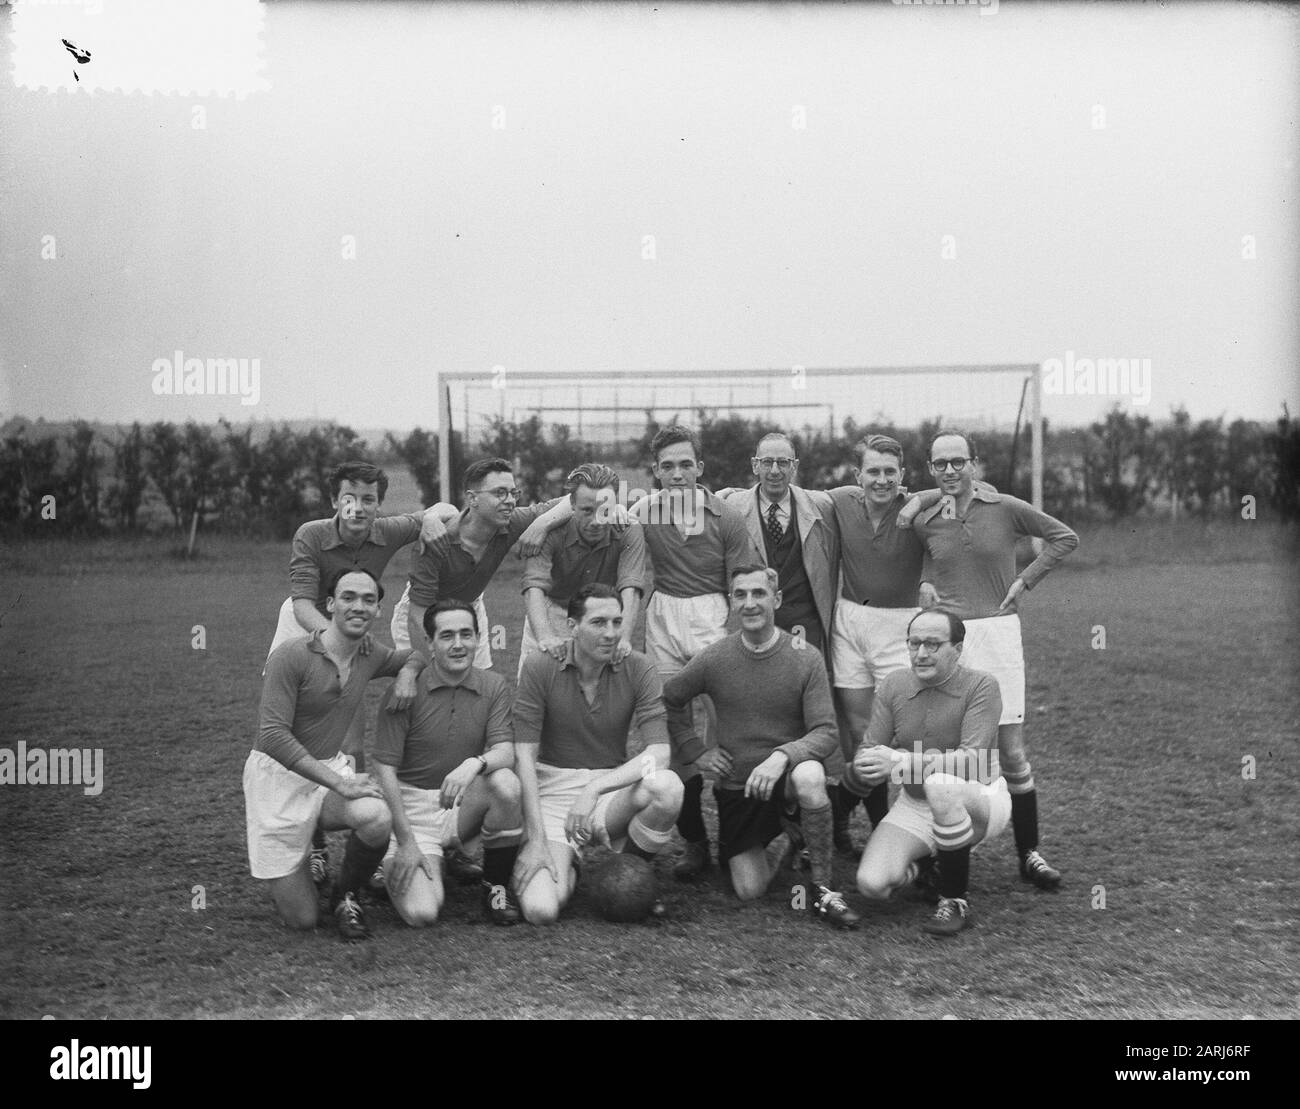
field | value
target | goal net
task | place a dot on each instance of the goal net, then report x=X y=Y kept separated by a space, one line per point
x=999 y=404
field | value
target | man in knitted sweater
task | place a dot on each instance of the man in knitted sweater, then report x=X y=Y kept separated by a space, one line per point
x=776 y=723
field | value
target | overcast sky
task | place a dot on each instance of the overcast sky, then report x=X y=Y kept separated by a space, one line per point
x=1098 y=168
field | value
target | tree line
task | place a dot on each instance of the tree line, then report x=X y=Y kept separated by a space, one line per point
x=266 y=480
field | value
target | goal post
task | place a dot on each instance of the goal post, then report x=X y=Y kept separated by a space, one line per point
x=602 y=406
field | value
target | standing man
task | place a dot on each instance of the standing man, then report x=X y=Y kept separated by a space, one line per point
x=297 y=774
x=577 y=781
x=933 y=730
x=356 y=537
x=970 y=541
x=789 y=526
x=776 y=723
x=695 y=541
x=445 y=766
x=588 y=549
x=459 y=564
x=881 y=574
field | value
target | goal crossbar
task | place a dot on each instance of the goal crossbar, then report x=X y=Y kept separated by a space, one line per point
x=1031 y=371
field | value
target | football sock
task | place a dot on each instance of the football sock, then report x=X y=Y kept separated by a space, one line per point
x=359 y=863
x=499 y=863
x=954 y=872
x=818 y=836
x=842 y=803
x=1024 y=821
x=690 y=822
x=500 y=849
x=877 y=804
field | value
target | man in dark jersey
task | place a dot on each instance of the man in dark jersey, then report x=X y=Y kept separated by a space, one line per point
x=577 y=781
x=970 y=546
x=776 y=724
x=297 y=774
x=588 y=549
x=695 y=539
x=459 y=564
x=356 y=537
x=445 y=766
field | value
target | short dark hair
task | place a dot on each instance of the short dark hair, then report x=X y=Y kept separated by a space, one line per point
x=970 y=442
x=475 y=472
x=364 y=473
x=332 y=586
x=668 y=436
x=596 y=591
x=450 y=604
x=591 y=474
x=956 y=626
x=881 y=444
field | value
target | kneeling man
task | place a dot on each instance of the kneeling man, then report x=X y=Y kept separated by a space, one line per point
x=776 y=723
x=578 y=784
x=445 y=766
x=934 y=729
x=297 y=772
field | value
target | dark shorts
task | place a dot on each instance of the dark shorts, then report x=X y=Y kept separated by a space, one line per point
x=746 y=822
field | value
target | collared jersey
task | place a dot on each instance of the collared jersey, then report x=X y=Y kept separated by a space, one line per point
x=882 y=566
x=971 y=560
x=319 y=553
x=568 y=561
x=446 y=570
x=306 y=710
x=552 y=711
x=962 y=712
x=700 y=561
x=445 y=725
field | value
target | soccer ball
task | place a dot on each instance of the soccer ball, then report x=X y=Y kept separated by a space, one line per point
x=624 y=889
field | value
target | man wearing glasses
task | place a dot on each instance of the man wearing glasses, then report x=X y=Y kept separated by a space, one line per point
x=587 y=550
x=881 y=564
x=970 y=542
x=788 y=526
x=459 y=564
x=934 y=730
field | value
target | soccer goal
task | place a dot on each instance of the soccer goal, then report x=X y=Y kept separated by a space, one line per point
x=610 y=407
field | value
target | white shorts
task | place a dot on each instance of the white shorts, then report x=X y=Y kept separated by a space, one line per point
x=280 y=810
x=402 y=639
x=558 y=788
x=434 y=827
x=558 y=618
x=913 y=815
x=679 y=628
x=993 y=645
x=868 y=643
x=286 y=627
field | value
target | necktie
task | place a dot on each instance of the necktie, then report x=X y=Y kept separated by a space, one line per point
x=774 y=528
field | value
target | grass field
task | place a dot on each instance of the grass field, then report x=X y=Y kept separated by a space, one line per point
x=1137 y=749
